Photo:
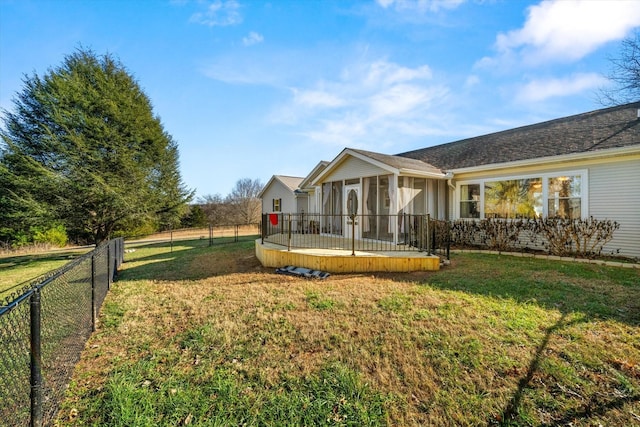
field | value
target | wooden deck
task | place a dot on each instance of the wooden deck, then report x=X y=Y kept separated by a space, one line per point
x=334 y=255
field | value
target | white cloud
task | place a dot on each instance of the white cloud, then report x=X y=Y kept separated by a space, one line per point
x=317 y=98
x=567 y=30
x=540 y=90
x=398 y=101
x=385 y=3
x=421 y=6
x=371 y=101
x=252 y=38
x=219 y=13
x=472 y=80
x=386 y=73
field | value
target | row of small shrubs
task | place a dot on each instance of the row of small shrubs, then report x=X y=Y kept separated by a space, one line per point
x=556 y=236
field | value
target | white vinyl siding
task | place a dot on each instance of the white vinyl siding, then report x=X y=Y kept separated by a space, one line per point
x=614 y=189
x=278 y=191
x=354 y=168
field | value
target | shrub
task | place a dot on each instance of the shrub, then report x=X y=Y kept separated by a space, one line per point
x=491 y=233
x=466 y=233
x=582 y=237
x=557 y=236
x=503 y=235
x=55 y=235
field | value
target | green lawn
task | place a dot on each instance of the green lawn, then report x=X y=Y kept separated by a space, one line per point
x=205 y=336
x=20 y=269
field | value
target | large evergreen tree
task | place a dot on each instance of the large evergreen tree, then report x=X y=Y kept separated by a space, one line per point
x=84 y=147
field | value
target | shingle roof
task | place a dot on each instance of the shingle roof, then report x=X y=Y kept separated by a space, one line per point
x=398 y=162
x=597 y=130
x=290 y=181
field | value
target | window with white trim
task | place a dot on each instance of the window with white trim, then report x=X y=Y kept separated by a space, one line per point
x=470 y=201
x=277 y=205
x=561 y=195
x=565 y=197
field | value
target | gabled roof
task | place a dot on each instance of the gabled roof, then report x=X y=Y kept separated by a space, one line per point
x=615 y=127
x=392 y=164
x=291 y=182
x=399 y=163
x=307 y=182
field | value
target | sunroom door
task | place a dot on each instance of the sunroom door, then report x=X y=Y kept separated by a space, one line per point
x=352 y=205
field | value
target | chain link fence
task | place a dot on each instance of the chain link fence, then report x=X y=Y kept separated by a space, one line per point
x=43 y=330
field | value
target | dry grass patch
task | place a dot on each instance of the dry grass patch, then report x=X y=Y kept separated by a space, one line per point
x=513 y=342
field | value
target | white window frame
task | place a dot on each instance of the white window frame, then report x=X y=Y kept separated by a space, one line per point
x=584 y=187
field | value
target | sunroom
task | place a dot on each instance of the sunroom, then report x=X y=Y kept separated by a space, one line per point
x=378 y=200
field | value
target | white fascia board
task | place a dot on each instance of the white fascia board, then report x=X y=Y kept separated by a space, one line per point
x=611 y=152
x=264 y=189
x=414 y=172
x=307 y=182
x=348 y=152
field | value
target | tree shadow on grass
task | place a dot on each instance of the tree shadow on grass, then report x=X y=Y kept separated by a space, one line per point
x=592 y=408
x=580 y=293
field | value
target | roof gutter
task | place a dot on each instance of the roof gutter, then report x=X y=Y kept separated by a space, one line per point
x=611 y=152
x=439 y=175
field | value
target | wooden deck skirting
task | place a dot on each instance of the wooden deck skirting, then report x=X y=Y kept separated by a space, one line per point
x=341 y=260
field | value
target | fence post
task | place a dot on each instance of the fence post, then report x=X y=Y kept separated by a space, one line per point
x=353 y=234
x=36 y=360
x=428 y=235
x=448 y=227
x=289 y=225
x=210 y=235
x=93 y=293
x=109 y=266
x=433 y=240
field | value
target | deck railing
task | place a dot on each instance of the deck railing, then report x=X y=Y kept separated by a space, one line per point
x=383 y=233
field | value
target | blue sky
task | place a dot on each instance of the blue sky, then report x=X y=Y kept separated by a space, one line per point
x=253 y=88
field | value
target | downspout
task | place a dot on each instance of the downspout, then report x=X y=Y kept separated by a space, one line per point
x=451 y=183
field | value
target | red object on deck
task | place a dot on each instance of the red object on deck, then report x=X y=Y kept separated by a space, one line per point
x=273 y=219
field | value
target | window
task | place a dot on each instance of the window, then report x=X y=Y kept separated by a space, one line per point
x=469 y=201
x=277 y=205
x=548 y=195
x=514 y=198
x=565 y=198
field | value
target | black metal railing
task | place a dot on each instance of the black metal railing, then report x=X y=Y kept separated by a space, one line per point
x=382 y=233
x=43 y=330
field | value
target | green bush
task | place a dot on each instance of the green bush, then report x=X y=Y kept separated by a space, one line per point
x=55 y=235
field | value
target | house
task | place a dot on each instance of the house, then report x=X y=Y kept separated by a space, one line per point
x=312 y=192
x=587 y=165
x=279 y=194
